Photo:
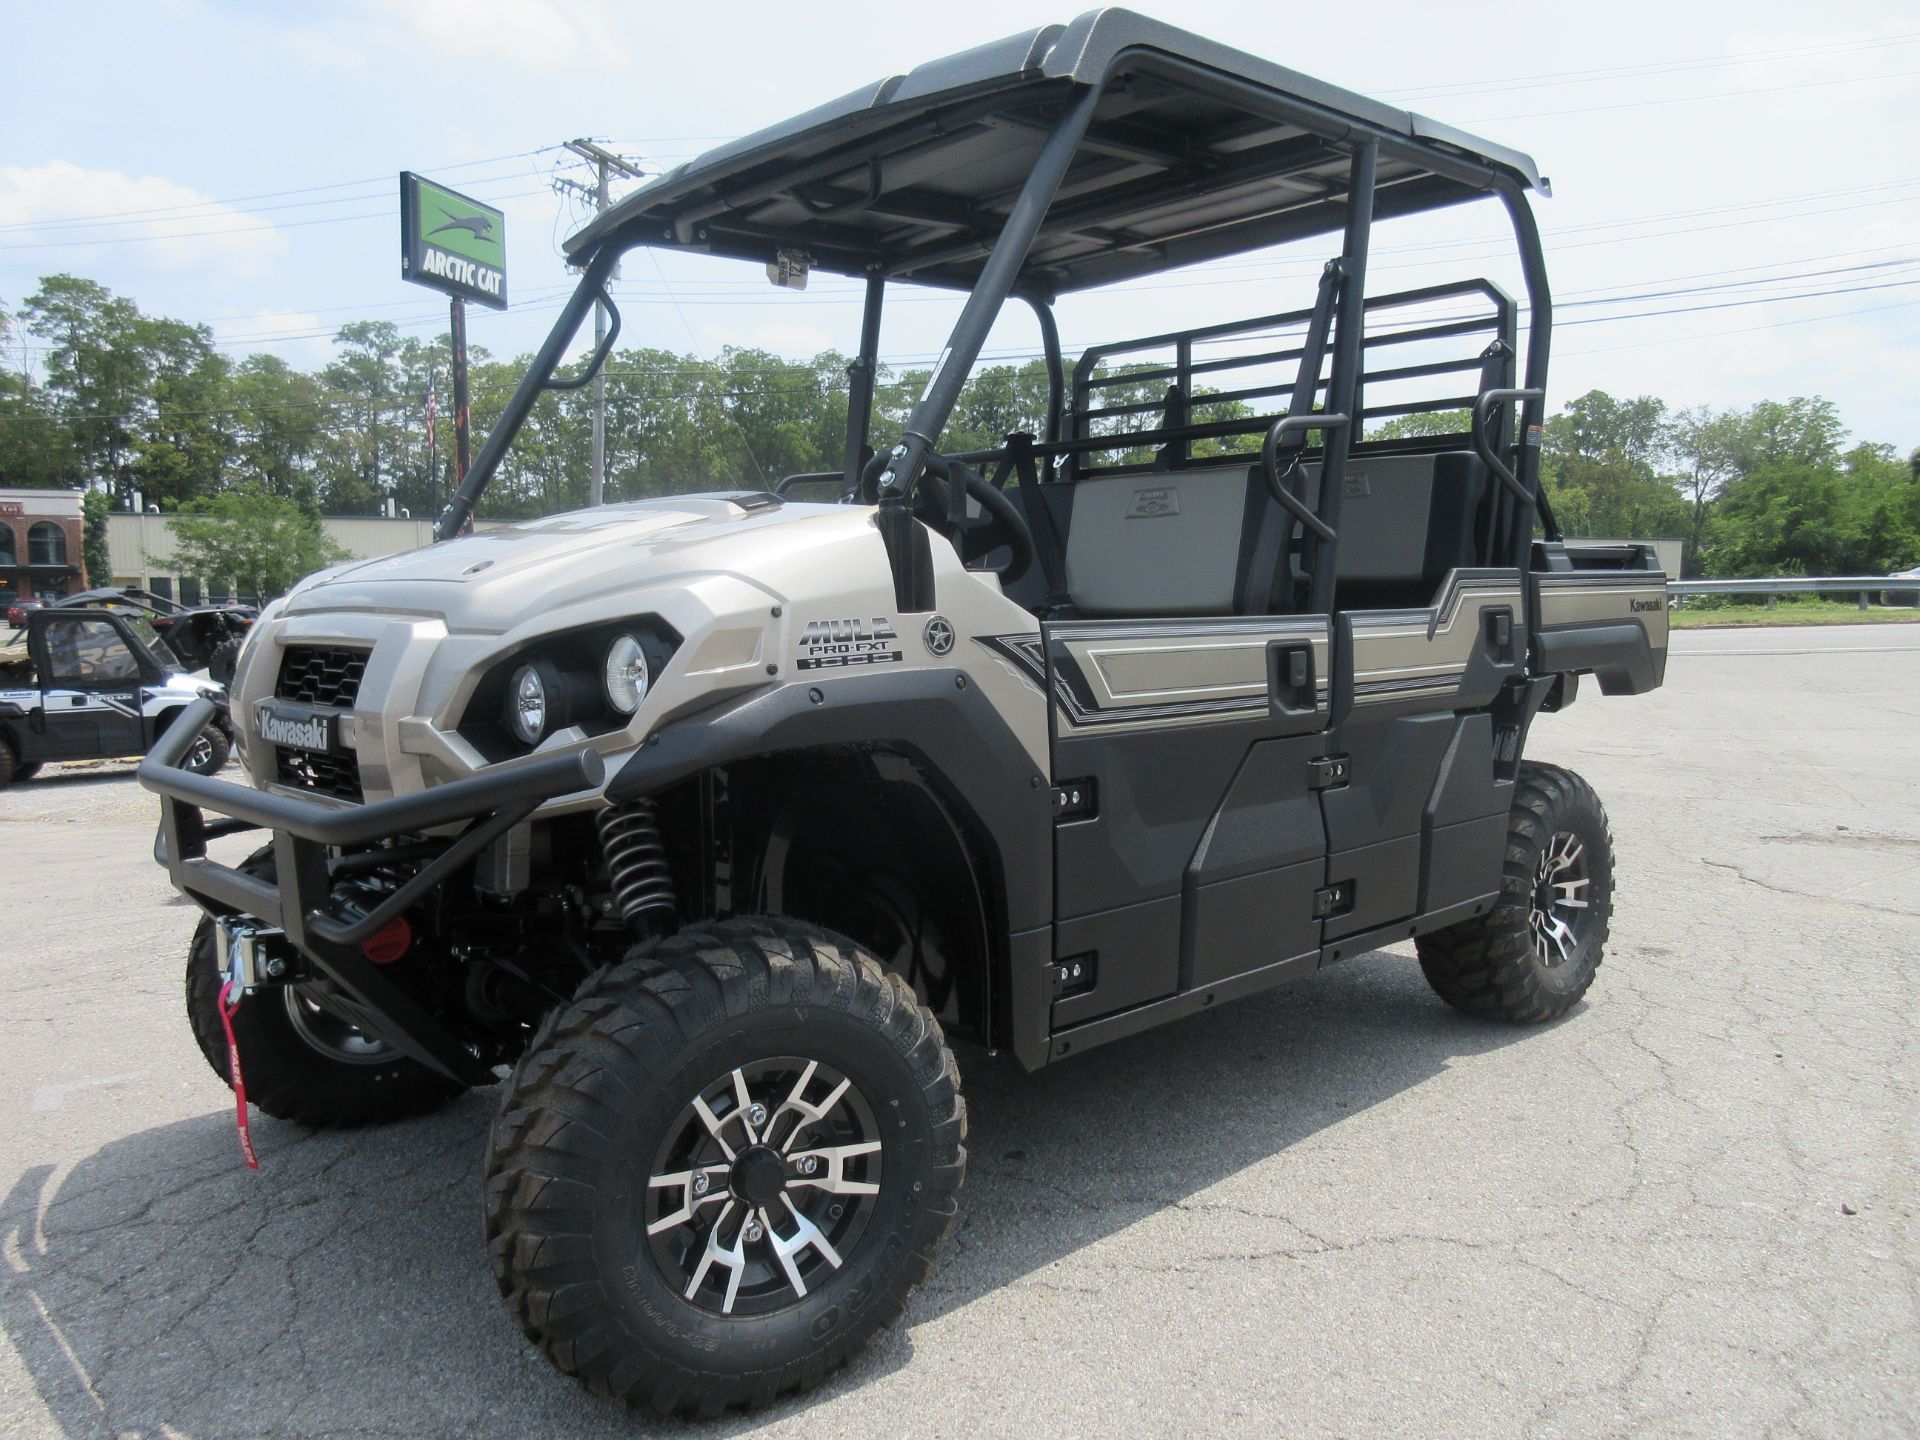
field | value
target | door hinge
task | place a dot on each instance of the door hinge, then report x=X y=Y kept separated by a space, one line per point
x=1329 y=771
x=1331 y=900
x=1071 y=976
x=1074 y=800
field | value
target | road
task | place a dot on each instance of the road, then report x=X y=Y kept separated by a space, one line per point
x=1337 y=1209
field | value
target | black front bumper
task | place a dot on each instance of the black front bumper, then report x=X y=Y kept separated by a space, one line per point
x=307 y=838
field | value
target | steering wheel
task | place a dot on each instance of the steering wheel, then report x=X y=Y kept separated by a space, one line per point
x=1000 y=522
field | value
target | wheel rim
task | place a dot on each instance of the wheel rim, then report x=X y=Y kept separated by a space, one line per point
x=332 y=1036
x=1561 y=899
x=201 y=753
x=763 y=1187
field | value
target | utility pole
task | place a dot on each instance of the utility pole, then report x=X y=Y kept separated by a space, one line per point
x=604 y=162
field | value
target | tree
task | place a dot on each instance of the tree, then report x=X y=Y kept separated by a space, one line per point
x=184 y=441
x=1708 y=444
x=280 y=419
x=95 y=368
x=1597 y=426
x=261 y=542
x=94 y=506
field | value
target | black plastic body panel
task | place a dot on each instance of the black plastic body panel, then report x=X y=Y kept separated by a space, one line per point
x=1136 y=957
x=1249 y=922
x=1618 y=652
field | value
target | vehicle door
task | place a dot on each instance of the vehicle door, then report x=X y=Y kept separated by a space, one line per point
x=1426 y=635
x=91 y=675
x=1188 y=843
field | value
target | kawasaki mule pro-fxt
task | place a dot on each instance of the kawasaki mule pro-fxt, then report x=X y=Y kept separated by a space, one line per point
x=712 y=815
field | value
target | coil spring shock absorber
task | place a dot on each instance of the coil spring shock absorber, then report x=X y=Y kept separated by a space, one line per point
x=637 y=865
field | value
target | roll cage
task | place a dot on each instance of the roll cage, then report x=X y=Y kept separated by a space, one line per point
x=1077 y=156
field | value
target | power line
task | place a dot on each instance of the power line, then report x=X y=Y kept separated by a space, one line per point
x=1654 y=68
x=1690 y=99
x=265 y=194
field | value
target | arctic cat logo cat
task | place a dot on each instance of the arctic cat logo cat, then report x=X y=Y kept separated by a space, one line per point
x=478 y=226
x=834 y=644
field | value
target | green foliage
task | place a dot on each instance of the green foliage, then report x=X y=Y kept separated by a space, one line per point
x=99 y=564
x=131 y=401
x=261 y=542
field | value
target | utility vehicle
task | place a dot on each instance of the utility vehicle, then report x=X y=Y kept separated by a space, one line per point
x=201 y=637
x=79 y=684
x=713 y=816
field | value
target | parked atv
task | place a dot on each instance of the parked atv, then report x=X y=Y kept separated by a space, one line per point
x=99 y=685
x=201 y=637
x=713 y=816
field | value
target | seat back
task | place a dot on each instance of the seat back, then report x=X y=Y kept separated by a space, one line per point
x=1405 y=521
x=1167 y=543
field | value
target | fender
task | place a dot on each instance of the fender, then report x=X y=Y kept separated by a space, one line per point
x=940 y=716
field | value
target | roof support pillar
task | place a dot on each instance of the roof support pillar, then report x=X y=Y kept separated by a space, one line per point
x=1344 y=383
x=990 y=291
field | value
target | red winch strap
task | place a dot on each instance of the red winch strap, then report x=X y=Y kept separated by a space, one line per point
x=227 y=1012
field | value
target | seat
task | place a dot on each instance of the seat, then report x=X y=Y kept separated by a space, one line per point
x=1170 y=543
x=1405 y=521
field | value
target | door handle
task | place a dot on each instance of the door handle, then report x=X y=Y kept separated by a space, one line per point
x=1290 y=680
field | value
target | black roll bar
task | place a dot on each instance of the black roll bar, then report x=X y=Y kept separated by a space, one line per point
x=1277 y=483
x=592 y=289
x=1483 y=407
x=995 y=281
x=861 y=377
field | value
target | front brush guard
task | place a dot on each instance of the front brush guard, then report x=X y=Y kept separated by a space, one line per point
x=299 y=899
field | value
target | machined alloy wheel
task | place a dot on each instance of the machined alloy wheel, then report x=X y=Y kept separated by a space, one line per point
x=763 y=1180
x=1534 y=952
x=200 y=753
x=719 y=1170
x=1560 y=884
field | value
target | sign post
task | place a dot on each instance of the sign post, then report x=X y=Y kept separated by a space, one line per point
x=454 y=244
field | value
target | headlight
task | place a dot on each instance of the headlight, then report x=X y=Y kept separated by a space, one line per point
x=625 y=674
x=527 y=705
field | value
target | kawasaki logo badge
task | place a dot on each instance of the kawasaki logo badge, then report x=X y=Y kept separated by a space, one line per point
x=297 y=730
x=836 y=644
x=452 y=243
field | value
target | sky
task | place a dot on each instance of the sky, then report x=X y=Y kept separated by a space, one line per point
x=1736 y=186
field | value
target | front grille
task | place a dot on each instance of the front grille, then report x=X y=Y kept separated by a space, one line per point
x=335 y=775
x=321 y=675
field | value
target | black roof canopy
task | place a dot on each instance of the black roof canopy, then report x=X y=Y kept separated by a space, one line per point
x=1196 y=151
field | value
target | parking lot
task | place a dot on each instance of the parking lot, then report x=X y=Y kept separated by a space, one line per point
x=1337 y=1209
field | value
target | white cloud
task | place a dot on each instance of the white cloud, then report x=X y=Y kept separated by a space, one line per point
x=524 y=34
x=162 y=221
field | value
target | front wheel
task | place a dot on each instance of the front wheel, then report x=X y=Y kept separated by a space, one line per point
x=1532 y=956
x=208 y=753
x=303 y=1063
x=721 y=1168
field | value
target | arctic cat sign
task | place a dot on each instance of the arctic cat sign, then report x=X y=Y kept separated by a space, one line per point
x=452 y=243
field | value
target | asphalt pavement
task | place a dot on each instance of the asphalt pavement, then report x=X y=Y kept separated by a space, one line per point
x=1336 y=1209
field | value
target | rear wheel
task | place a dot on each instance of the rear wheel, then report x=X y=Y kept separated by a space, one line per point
x=1535 y=953
x=721 y=1168
x=303 y=1063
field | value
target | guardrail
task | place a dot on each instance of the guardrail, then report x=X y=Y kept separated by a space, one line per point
x=1860 y=585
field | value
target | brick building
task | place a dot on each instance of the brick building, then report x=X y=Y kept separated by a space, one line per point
x=41 y=537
